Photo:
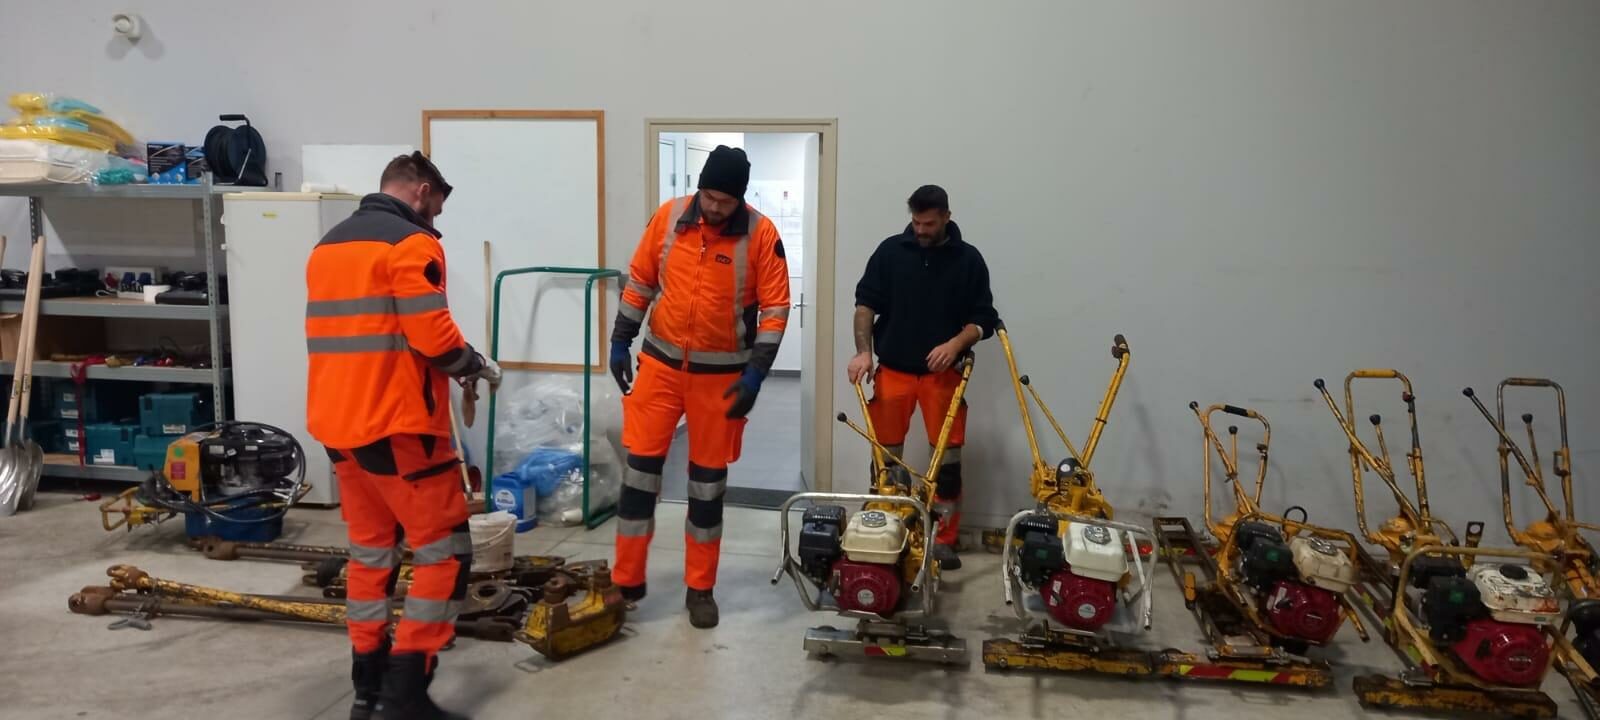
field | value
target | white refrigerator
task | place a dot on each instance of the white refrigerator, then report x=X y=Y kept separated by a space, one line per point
x=269 y=237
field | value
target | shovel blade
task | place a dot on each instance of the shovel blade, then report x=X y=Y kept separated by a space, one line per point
x=32 y=470
x=11 y=479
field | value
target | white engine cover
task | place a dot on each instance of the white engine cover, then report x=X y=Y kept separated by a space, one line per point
x=1527 y=599
x=874 y=536
x=1095 y=552
x=1322 y=565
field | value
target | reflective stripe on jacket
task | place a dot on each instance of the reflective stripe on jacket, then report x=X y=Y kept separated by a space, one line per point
x=721 y=295
x=378 y=329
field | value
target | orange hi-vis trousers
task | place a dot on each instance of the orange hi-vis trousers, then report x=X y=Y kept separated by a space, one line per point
x=895 y=397
x=410 y=483
x=661 y=395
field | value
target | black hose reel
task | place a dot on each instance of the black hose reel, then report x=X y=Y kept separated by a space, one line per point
x=236 y=154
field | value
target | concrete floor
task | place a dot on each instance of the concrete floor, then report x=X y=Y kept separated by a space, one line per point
x=59 y=665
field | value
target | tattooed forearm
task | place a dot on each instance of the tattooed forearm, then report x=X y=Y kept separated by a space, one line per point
x=863 y=328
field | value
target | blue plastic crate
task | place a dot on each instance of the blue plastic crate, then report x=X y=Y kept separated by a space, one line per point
x=169 y=413
x=150 y=452
x=110 y=443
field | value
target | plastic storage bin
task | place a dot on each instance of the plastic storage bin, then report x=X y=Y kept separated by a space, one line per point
x=110 y=443
x=169 y=413
x=67 y=403
x=47 y=433
x=150 y=452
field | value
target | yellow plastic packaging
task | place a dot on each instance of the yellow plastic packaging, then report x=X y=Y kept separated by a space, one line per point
x=98 y=124
x=65 y=136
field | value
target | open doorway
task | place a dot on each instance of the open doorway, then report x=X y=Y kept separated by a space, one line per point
x=785 y=449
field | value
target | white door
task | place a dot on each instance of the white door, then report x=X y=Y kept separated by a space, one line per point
x=694 y=159
x=667 y=170
x=806 y=298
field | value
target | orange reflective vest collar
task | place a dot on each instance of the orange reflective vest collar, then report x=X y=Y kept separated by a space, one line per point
x=378 y=329
x=721 y=296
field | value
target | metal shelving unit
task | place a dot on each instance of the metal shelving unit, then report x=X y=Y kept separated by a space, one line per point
x=205 y=201
x=116 y=308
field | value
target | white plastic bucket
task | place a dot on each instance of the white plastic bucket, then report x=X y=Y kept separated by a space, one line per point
x=492 y=541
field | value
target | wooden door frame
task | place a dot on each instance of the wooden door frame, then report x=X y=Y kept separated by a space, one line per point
x=821 y=362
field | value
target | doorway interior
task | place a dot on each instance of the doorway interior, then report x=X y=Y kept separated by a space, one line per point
x=785 y=449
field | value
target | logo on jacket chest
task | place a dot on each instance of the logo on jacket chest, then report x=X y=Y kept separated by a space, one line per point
x=724 y=259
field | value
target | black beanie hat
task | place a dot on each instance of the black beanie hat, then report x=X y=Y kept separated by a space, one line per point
x=727 y=170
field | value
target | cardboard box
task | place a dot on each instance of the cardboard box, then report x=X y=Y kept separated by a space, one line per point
x=167 y=162
x=195 y=165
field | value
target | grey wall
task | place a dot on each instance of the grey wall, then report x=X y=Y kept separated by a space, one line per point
x=1257 y=192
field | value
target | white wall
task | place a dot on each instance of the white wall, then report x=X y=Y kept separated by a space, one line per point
x=1258 y=192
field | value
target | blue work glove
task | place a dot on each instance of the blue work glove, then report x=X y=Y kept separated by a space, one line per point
x=746 y=388
x=621 y=363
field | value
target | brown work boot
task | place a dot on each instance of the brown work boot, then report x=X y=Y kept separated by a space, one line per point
x=405 y=690
x=366 y=673
x=702 y=608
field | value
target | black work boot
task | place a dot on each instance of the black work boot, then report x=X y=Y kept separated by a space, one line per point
x=633 y=593
x=702 y=608
x=405 y=691
x=366 y=672
x=946 y=556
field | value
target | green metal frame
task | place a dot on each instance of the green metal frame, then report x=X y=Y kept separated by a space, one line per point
x=591 y=519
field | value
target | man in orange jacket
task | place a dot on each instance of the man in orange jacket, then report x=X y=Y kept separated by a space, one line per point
x=383 y=349
x=923 y=300
x=714 y=268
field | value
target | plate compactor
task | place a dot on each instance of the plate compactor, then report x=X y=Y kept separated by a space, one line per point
x=1272 y=587
x=1557 y=534
x=1075 y=577
x=875 y=564
x=1477 y=628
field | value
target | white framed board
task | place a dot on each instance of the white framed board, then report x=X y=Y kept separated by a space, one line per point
x=529 y=190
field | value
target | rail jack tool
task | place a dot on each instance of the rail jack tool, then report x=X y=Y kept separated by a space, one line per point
x=875 y=565
x=1475 y=627
x=1272 y=587
x=559 y=610
x=1556 y=534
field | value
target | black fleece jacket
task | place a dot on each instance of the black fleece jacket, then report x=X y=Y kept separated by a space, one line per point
x=924 y=296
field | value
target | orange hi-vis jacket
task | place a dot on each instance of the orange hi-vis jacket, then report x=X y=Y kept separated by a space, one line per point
x=721 y=295
x=381 y=341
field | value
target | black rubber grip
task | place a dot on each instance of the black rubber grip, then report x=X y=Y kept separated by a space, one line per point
x=1319 y=383
x=1023 y=379
x=1235 y=410
x=1233 y=429
x=843 y=417
x=1527 y=417
x=233 y=117
x=1375 y=419
x=1467 y=392
x=1119 y=346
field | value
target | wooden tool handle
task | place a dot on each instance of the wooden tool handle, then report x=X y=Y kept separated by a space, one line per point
x=30 y=326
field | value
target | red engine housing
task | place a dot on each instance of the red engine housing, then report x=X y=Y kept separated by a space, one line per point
x=866 y=587
x=1504 y=653
x=1079 y=602
x=1302 y=611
